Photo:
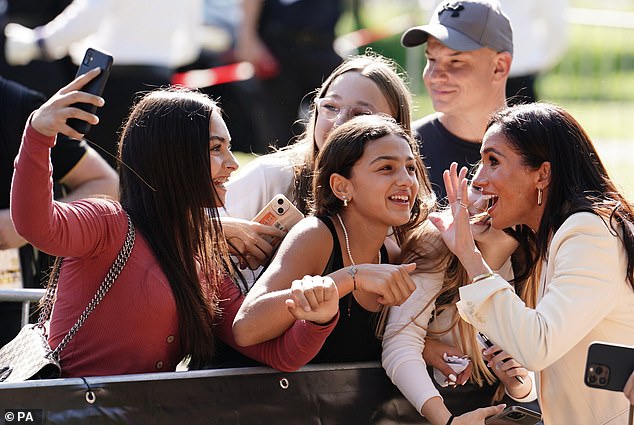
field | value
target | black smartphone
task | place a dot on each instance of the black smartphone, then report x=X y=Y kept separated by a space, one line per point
x=485 y=342
x=92 y=59
x=608 y=366
x=515 y=415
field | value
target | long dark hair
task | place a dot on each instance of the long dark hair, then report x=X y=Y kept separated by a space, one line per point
x=385 y=74
x=579 y=182
x=344 y=147
x=166 y=186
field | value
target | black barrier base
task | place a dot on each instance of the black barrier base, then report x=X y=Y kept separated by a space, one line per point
x=347 y=394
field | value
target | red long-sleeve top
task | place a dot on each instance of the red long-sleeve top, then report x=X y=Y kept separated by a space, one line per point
x=135 y=328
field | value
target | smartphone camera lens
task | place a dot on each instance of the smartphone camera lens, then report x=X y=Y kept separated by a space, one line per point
x=602 y=381
x=88 y=59
x=280 y=201
x=280 y=210
x=516 y=415
x=592 y=379
x=599 y=370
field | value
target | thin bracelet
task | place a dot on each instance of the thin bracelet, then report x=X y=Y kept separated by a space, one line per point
x=482 y=276
x=352 y=271
x=451 y=418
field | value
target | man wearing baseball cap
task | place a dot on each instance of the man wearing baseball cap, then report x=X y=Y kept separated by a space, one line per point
x=469 y=48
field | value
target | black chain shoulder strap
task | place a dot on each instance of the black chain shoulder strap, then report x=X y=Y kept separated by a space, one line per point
x=108 y=281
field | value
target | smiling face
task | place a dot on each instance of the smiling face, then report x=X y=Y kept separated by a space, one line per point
x=457 y=81
x=383 y=182
x=222 y=161
x=512 y=184
x=483 y=232
x=351 y=93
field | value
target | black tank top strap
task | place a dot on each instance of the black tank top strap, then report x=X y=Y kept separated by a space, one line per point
x=335 y=262
x=384 y=255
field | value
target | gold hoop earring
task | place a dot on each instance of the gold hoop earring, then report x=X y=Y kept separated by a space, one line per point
x=539 y=196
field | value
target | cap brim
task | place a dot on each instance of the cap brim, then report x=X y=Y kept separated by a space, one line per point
x=449 y=37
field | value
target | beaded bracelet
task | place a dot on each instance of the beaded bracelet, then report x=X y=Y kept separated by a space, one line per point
x=482 y=276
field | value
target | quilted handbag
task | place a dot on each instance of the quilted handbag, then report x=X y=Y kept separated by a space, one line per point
x=28 y=355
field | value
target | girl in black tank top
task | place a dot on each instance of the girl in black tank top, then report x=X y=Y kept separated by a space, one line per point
x=366 y=187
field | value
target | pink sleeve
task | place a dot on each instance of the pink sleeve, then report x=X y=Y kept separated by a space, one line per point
x=70 y=230
x=288 y=352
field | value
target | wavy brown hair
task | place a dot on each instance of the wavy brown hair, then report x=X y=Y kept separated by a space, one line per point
x=167 y=189
x=390 y=81
x=345 y=146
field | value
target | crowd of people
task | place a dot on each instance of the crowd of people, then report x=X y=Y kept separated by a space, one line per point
x=482 y=221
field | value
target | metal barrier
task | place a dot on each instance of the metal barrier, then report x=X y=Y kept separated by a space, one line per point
x=24 y=296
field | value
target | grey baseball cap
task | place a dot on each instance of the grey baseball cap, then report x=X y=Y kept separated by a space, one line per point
x=465 y=26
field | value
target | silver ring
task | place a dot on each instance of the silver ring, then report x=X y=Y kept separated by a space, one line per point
x=463 y=205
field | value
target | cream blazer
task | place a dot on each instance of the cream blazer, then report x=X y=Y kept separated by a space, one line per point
x=583 y=297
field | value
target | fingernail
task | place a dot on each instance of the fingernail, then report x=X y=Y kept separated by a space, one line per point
x=452 y=377
x=307 y=309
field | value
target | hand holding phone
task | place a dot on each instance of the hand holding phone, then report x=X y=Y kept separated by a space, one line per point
x=92 y=59
x=485 y=342
x=279 y=213
x=515 y=415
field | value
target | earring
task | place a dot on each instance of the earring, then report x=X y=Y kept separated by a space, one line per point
x=539 y=196
x=345 y=201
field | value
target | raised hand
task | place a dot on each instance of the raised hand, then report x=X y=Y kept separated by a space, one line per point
x=313 y=298
x=50 y=118
x=455 y=229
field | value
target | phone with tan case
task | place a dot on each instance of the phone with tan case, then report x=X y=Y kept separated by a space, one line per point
x=279 y=213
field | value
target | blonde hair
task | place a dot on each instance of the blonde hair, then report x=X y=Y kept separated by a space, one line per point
x=425 y=247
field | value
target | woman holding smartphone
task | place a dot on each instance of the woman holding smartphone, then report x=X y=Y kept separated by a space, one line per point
x=429 y=319
x=173 y=296
x=540 y=169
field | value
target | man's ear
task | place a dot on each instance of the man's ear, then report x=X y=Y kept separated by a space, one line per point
x=543 y=175
x=502 y=65
x=341 y=186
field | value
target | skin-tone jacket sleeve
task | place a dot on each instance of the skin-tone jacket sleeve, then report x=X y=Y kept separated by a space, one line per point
x=288 y=352
x=404 y=340
x=585 y=281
